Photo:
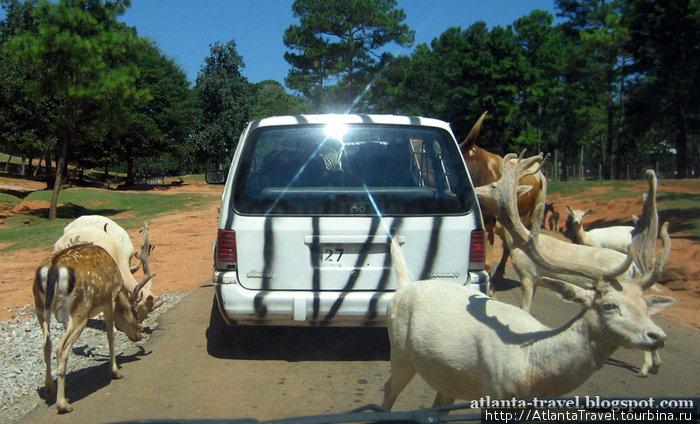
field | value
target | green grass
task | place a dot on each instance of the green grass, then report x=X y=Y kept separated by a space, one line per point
x=618 y=189
x=682 y=211
x=24 y=231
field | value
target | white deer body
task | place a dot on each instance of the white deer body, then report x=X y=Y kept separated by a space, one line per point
x=466 y=345
x=530 y=274
x=616 y=237
x=116 y=232
x=115 y=240
x=489 y=348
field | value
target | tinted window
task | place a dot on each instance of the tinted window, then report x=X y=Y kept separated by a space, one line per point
x=351 y=170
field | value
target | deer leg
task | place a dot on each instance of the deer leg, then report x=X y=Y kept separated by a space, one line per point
x=75 y=328
x=652 y=362
x=401 y=374
x=527 y=292
x=501 y=268
x=442 y=400
x=109 y=324
x=488 y=248
x=45 y=330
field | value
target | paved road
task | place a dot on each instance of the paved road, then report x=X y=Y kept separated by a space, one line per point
x=309 y=371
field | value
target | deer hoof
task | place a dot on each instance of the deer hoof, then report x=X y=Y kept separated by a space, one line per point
x=116 y=375
x=64 y=407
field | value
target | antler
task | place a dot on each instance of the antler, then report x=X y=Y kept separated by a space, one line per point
x=650 y=278
x=507 y=192
x=527 y=240
x=646 y=228
x=551 y=264
x=144 y=257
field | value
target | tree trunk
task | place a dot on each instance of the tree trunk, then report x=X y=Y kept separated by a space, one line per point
x=7 y=164
x=610 y=131
x=50 y=177
x=130 y=171
x=38 y=166
x=682 y=146
x=60 y=165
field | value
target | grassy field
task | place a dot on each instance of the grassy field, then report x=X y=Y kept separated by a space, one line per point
x=21 y=231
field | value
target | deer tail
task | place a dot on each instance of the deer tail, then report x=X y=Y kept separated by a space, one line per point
x=399 y=263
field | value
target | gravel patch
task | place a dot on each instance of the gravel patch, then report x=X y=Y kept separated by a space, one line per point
x=22 y=366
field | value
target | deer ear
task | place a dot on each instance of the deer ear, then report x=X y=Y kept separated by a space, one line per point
x=569 y=292
x=150 y=301
x=656 y=304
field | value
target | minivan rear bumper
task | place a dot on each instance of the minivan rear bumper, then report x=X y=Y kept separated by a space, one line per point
x=240 y=306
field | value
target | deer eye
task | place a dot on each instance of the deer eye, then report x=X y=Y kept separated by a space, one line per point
x=609 y=306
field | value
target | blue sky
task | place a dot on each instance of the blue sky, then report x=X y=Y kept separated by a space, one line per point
x=184 y=29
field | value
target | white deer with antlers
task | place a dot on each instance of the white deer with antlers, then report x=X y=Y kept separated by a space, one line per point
x=75 y=284
x=107 y=234
x=578 y=264
x=466 y=345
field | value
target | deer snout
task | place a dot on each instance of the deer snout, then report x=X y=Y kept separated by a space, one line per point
x=657 y=338
x=136 y=337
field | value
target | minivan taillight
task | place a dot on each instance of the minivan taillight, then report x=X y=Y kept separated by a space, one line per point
x=477 y=251
x=226 y=255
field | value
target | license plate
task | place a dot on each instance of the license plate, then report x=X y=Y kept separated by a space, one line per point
x=332 y=256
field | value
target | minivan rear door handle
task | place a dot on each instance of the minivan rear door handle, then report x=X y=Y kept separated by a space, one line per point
x=350 y=239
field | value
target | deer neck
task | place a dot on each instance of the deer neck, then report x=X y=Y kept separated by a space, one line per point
x=563 y=361
x=582 y=235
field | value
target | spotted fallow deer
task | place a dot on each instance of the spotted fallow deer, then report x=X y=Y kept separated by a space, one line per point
x=466 y=345
x=75 y=284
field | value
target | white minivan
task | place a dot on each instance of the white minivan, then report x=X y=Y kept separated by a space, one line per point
x=309 y=208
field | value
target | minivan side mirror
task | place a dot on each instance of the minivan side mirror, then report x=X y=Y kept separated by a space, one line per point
x=216 y=176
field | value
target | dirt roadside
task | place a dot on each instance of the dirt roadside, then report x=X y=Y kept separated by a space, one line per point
x=183 y=255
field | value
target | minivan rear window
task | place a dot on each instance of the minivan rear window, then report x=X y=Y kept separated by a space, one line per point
x=351 y=169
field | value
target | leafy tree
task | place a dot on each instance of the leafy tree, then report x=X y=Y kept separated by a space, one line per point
x=541 y=88
x=334 y=51
x=272 y=99
x=23 y=123
x=226 y=99
x=461 y=74
x=87 y=72
x=596 y=27
x=664 y=39
x=163 y=125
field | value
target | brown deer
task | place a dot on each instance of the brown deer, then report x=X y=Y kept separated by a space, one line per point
x=75 y=284
x=484 y=168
